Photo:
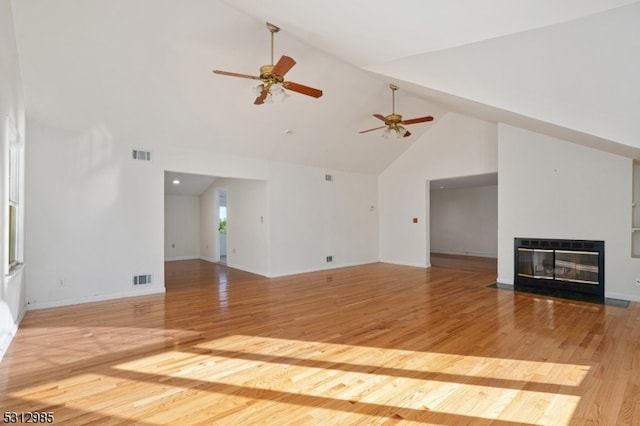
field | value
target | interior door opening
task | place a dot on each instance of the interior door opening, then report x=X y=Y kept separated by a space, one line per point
x=463 y=218
x=222 y=225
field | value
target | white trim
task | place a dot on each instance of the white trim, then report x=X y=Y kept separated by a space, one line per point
x=503 y=281
x=402 y=263
x=32 y=306
x=245 y=269
x=7 y=337
x=318 y=269
x=172 y=259
x=465 y=253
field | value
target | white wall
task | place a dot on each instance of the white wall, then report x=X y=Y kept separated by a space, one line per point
x=549 y=188
x=95 y=217
x=456 y=145
x=209 y=219
x=311 y=219
x=181 y=227
x=465 y=221
x=247 y=224
x=13 y=287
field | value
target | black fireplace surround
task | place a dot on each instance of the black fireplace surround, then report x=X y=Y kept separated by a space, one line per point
x=564 y=268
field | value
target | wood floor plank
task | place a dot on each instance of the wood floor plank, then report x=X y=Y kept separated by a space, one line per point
x=370 y=344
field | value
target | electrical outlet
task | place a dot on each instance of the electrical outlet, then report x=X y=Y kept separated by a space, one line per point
x=329 y=258
x=62 y=283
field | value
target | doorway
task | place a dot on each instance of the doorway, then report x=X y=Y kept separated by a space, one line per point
x=463 y=217
x=221 y=197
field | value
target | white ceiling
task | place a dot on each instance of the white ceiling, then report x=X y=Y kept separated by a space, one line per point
x=187 y=183
x=140 y=71
x=489 y=179
x=367 y=33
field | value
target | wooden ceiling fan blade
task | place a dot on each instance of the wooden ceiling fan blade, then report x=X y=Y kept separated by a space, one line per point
x=305 y=90
x=417 y=120
x=235 y=74
x=380 y=117
x=261 y=97
x=407 y=134
x=283 y=66
x=371 y=130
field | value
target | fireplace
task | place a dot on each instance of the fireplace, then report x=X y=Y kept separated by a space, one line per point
x=564 y=268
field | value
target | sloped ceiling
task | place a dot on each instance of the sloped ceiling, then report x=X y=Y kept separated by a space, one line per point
x=141 y=71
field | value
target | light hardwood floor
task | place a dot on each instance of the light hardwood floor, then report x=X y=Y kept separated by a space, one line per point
x=372 y=344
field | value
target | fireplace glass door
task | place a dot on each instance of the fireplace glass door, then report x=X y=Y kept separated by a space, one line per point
x=535 y=263
x=577 y=266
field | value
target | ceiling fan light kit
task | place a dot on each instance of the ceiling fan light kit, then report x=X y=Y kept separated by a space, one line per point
x=272 y=80
x=275 y=93
x=400 y=132
x=394 y=122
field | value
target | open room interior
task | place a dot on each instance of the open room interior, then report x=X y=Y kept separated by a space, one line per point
x=463 y=216
x=355 y=218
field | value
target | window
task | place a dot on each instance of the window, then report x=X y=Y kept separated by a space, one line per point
x=13 y=236
x=14 y=196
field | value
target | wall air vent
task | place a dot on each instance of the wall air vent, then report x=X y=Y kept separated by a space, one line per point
x=328 y=178
x=139 y=154
x=142 y=279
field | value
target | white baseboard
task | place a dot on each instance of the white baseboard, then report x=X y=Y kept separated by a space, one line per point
x=505 y=281
x=171 y=259
x=98 y=298
x=319 y=268
x=245 y=269
x=7 y=337
x=465 y=253
x=403 y=263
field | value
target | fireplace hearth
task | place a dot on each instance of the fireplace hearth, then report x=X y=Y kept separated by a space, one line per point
x=563 y=268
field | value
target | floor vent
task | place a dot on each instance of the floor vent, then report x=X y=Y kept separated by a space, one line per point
x=142 y=279
x=141 y=155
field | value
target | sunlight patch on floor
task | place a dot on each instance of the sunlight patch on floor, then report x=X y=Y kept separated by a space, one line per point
x=412 y=361
x=479 y=387
x=228 y=374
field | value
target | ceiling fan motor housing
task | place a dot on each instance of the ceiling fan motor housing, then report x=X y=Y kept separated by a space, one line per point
x=267 y=75
x=393 y=118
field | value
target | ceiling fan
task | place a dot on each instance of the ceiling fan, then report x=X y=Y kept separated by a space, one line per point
x=272 y=77
x=394 y=121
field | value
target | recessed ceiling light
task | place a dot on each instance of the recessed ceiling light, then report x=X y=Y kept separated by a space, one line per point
x=176 y=182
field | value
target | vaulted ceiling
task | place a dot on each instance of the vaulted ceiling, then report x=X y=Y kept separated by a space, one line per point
x=141 y=71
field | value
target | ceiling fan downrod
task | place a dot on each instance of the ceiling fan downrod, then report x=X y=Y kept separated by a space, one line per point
x=273 y=29
x=393 y=88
